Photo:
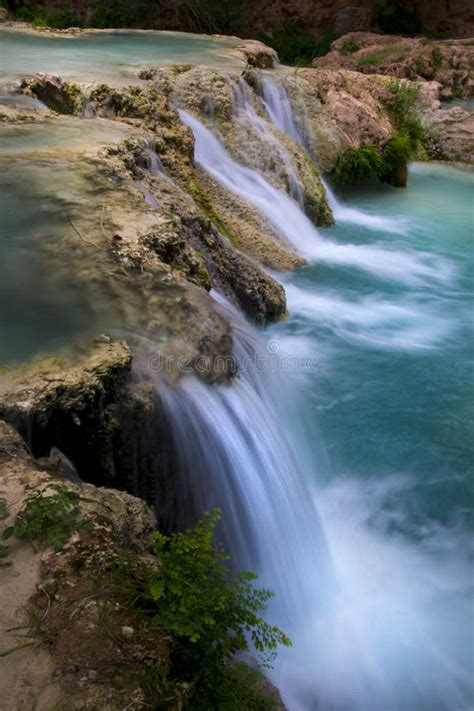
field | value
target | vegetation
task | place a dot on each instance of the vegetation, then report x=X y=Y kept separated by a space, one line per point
x=293 y=45
x=210 y=611
x=350 y=47
x=393 y=17
x=437 y=56
x=187 y=601
x=48 y=519
x=389 y=163
x=358 y=164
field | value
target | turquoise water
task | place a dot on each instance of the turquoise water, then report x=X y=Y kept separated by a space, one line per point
x=108 y=56
x=381 y=414
x=40 y=308
x=393 y=389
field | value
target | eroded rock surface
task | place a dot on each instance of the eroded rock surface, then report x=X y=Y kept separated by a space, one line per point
x=450 y=62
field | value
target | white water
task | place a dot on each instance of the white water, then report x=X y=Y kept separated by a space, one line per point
x=290 y=221
x=243 y=108
x=230 y=441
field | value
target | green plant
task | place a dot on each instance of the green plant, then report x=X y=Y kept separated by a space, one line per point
x=350 y=47
x=396 y=154
x=437 y=56
x=48 y=519
x=357 y=164
x=420 y=66
x=211 y=612
x=401 y=108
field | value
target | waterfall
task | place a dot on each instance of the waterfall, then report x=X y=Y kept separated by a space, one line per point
x=278 y=106
x=244 y=109
x=230 y=452
x=289 y=220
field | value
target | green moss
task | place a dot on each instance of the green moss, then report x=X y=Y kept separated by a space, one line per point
x=204 y=202
x=375 y=59
x=358 y=164
x=396 y=154
x=350 y=48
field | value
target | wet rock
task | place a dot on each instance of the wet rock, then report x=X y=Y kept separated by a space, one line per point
x=258 y=55
x=65 y=97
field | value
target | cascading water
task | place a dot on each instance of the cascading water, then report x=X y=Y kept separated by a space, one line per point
x=384 y=622
x=278 y=106
x=244 y=108
x=228 y=443
x=288 y=219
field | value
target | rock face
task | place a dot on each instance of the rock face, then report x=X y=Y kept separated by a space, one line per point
x=450 y=134
x=61 y=96
x=70 y=406
x=326 y=16
x=356 y=109
x=451 y=63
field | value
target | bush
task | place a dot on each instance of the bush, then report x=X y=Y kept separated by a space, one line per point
x=48 y=519
x=350 y=47
x=396 y=154
x=63 y=20
x=401 y=110
x=293 y=45
x=437 y=56
x=210 y=612
x=358 y=164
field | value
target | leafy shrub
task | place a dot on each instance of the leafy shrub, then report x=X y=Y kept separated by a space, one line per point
x=210 y=612
x=49 y=520
x=437 y=56
x=64 y=19
x=358 y=164
x=396 y=154
x=293 y=45
x=239 y=690
x=350 y=47
x=401 y=110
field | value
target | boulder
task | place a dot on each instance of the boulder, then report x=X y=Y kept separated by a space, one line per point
x=258 y=55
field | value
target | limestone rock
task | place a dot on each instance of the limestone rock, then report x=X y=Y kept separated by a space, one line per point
x=64 y=97
x=258 y=55
x=450 y=134
x=450 y=62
